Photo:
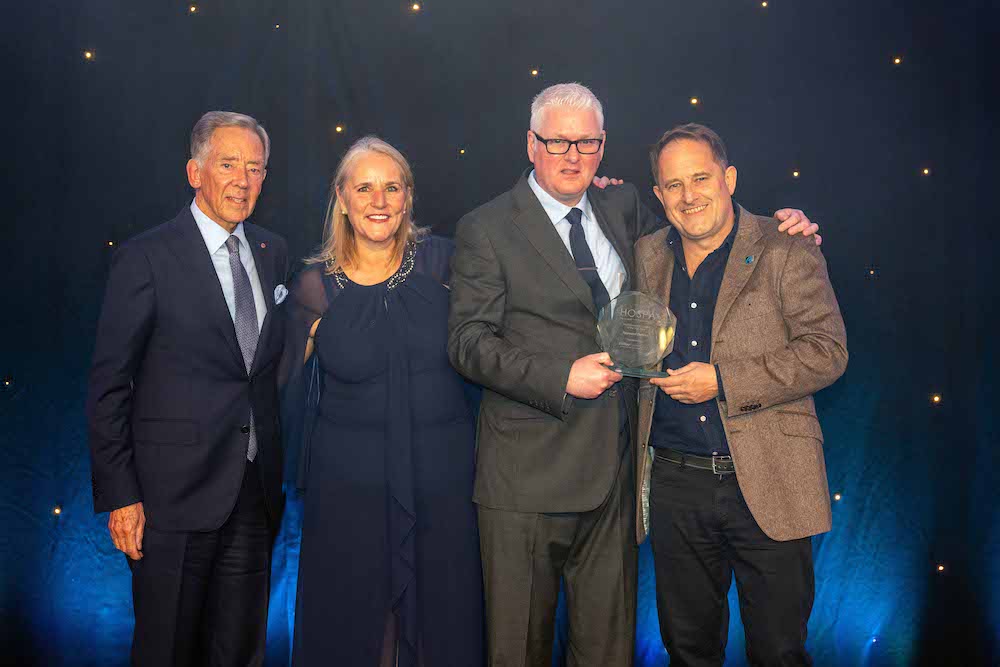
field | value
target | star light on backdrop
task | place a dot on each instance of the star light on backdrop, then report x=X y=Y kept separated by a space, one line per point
x=277 y=26
x=193 y=9
x=837 y=497
x=936 y=399
x=8 y=381
x=534 y=72
x=695 y=101
x=415 y=6
x=940 y=568
x=338 y=129
x=88 y=55
x=795 y=174
x=898 y=60
x=926 y=171
x=57 y=510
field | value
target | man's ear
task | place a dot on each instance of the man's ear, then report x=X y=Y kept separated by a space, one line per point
x=531 y=147
x=731 y=178
x=193 y=174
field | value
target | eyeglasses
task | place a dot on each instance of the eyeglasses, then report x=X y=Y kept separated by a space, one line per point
x=562 y=146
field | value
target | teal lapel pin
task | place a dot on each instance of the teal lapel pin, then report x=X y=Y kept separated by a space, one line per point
x=749 y=259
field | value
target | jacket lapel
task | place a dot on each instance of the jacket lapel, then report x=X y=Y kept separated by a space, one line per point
x=616 y=234
x=743 y=260
x=533 y=222
x=655 y=259
x=657 y=262
x=189 y=246
x=264 y=262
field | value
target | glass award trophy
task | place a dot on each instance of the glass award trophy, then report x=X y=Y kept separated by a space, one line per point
x=637 y=331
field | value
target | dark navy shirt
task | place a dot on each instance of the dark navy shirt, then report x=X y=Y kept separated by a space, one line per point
x=696 y=429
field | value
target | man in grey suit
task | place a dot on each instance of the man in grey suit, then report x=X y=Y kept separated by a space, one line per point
x=554 y=480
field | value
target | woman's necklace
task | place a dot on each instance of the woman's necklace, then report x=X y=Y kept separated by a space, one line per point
x=396 y=279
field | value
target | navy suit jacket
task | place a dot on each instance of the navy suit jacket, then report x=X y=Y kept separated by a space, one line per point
x=169 y=395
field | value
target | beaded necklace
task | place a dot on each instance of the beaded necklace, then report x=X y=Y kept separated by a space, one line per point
x=396 y=279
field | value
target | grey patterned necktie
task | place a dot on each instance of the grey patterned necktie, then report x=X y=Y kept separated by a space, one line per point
x=246 y=322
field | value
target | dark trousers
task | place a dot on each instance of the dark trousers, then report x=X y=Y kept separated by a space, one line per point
x=524 y=557
x=702 y=534
x=201 y=598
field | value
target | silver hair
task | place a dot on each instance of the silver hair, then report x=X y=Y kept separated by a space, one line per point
x=572 y=95
x=201 y=135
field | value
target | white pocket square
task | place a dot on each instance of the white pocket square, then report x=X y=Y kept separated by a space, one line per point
x=280 y=292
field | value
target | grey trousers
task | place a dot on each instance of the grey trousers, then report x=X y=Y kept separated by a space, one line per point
x=524 y=557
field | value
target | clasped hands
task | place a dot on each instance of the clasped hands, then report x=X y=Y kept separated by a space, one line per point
x=590 y=376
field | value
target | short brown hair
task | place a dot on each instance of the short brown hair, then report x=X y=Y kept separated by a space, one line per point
x=694 y=132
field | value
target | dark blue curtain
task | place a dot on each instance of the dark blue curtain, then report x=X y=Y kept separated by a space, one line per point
x=94 y=153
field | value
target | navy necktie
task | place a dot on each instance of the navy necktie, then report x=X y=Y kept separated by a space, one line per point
x=584 y=259
x=246 y=322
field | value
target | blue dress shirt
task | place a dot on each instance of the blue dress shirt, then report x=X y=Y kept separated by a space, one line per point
x=693 y=428
x=215 y=240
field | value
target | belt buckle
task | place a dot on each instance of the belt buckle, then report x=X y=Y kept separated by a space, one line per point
x=716 y=460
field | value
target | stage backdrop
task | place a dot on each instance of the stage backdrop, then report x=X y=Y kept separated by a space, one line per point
x=871 y=116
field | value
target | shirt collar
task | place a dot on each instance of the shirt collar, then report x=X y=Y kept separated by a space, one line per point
x=555 y=209
x=214 y=235
x=674 y=237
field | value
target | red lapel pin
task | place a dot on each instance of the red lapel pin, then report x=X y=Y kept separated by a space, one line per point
x=263 y=245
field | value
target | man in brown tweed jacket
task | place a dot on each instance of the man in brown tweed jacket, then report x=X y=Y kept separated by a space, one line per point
x=737 y=484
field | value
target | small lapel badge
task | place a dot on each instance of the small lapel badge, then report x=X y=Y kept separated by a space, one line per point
x=263 y=245
x=749 y=259
x=280 y=292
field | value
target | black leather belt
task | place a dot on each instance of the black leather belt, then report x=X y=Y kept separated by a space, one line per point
x=719 y=465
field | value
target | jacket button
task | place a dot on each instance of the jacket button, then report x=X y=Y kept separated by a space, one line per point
x=245 y=429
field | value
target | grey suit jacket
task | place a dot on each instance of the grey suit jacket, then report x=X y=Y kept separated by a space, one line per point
x=778 y=338
x=520 y=316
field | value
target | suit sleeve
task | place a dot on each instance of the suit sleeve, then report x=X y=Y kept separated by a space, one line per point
x=475 y=344
x=816 y=352
x=123 y=330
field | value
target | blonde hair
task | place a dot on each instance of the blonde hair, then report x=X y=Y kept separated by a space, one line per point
x=339 y=247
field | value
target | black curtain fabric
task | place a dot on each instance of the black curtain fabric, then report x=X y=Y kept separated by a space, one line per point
x=95 y=151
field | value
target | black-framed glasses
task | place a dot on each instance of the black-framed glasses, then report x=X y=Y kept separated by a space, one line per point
x=562 y=146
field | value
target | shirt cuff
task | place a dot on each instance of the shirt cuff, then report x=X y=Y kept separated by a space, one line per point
x=718 y=379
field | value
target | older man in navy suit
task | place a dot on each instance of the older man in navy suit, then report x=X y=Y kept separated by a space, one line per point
x=182 y=409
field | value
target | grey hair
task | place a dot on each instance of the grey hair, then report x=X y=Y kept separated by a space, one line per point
x=201 y=135
x=572 y=95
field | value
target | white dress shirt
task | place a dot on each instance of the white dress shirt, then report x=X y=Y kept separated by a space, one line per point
x=609 y=264
x=215 y=239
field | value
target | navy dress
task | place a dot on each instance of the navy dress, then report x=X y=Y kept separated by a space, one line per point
x=390 y=551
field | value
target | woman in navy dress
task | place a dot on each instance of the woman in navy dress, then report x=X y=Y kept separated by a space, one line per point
x=389 y=570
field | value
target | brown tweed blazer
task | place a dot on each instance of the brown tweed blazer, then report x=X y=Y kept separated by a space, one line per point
x=777 y=337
